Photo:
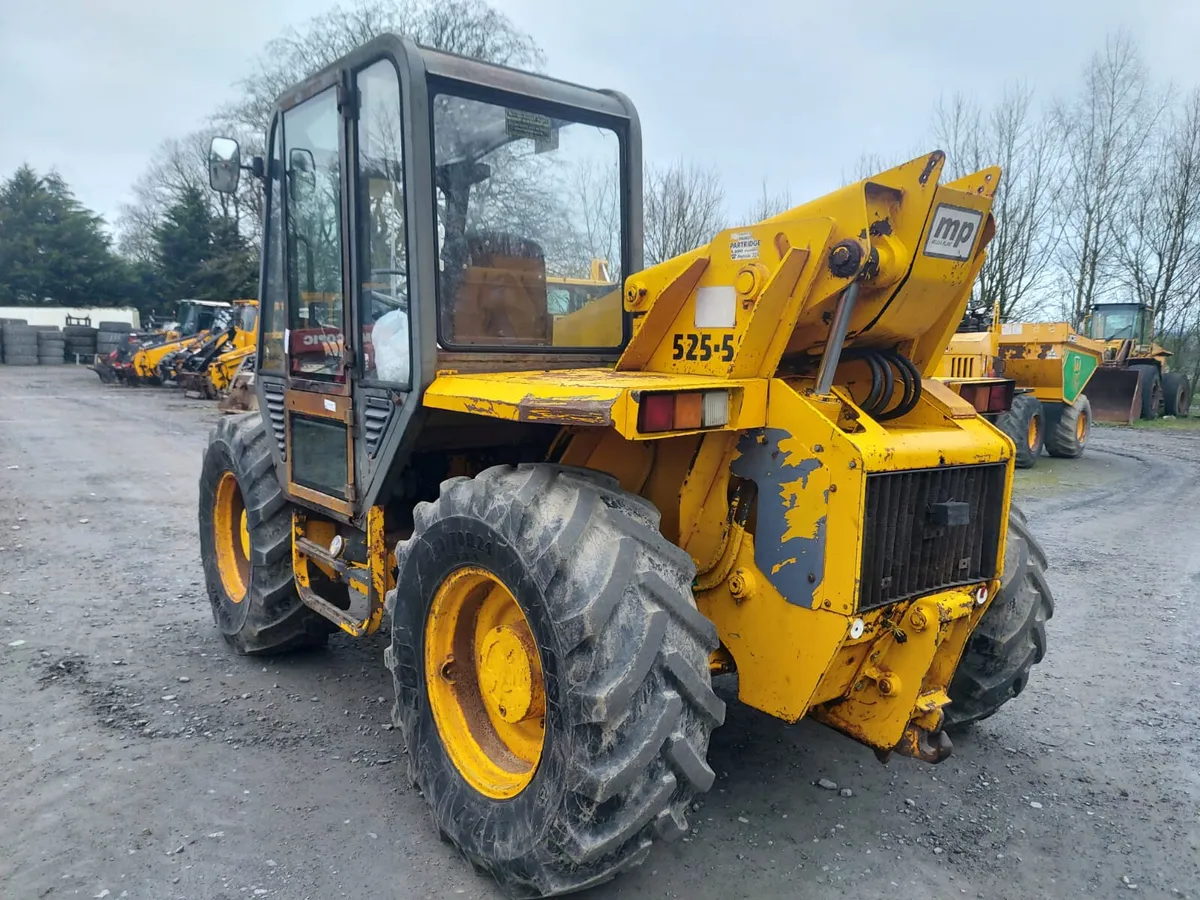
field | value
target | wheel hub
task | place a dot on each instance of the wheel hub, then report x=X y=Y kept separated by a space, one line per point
x=509 y=674
x=484 y=680
x=231 y=538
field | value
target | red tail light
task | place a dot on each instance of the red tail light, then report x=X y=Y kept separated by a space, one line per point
x=989 y=397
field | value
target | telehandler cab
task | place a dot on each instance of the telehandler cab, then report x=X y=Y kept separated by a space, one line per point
x=736 y=460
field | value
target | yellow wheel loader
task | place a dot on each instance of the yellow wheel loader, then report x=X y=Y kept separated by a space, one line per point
x=737 y=462
x=1134 y=380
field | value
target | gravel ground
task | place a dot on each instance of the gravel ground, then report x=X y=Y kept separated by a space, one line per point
x=140 y=759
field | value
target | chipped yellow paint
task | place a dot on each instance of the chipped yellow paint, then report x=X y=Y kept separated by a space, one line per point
x=587 y=397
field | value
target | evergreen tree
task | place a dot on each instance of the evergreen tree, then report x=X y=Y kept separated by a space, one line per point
x=52 y=249
x=200 y=255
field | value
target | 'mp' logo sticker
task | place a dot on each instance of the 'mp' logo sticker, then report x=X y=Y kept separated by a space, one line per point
x=953 y=232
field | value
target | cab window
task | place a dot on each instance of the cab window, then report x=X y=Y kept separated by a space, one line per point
x=526 y=200
x=312 y=180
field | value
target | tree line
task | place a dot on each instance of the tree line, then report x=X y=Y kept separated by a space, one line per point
x=1098 y=200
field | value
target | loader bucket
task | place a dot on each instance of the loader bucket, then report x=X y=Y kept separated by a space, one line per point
x=1115 y=395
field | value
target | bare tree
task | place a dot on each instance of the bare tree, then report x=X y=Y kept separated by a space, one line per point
x=1024 y=144
x=1159 y=248
x=683 y=209
x=1106 y=129
x=768 y=203
x=466 y=27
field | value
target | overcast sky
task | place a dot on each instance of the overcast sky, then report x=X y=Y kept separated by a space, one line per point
x=791 y=92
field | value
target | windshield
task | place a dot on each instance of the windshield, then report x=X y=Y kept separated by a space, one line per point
x=524 y=201
x=247 y=318
x=1116 y=323
x=189 y=318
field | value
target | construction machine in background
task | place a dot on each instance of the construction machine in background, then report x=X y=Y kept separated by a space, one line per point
x=1049 y=367
x=1134 y=380
x=207 y=370
x=138 y=362
x=570 y=521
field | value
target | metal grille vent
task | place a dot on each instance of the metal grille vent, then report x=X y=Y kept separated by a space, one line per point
x=273 y=391
x=907 y=554
x=376 y=415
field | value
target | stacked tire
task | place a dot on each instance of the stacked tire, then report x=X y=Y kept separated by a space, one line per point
x=20 y=343
x=111 y=335
x=79 y=343
x=50 y=345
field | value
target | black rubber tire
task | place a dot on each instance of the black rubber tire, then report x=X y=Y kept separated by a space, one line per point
x=1015 y=423
x=13 y=359
x=1062 y=439
x=271 y=618
x=4 y=322
x=21 y=345
x=116 y=327
x=1151 y=381
x=50 y=361
x=629 y=698
x=1177 y=394
x=1010 y=638
x=79 y=331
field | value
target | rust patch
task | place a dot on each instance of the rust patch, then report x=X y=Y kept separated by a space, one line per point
x=882 y=227
x=581 y=411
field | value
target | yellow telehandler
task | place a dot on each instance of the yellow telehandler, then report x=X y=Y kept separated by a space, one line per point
x=737 y=462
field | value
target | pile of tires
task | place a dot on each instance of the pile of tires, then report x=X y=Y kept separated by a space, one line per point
x=80 y=342
x=20 y=344
x=51 y=345
x=111 y=336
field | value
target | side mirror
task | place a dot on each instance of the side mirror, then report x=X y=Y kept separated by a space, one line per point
x=224 y=165
x=302 y=173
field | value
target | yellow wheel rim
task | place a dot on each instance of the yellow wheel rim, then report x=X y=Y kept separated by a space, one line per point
x=1034 y=431
x=484 y=678
x=231 y=538
x=1081 y=428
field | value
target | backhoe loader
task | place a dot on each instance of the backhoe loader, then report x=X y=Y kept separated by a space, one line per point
x=734 y=461
x=142 y=362
x=208 y=369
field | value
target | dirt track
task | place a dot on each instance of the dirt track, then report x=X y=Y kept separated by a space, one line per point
x=141 y=759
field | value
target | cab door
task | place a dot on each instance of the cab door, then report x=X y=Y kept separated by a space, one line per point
x=306 y=383
x=385 y=309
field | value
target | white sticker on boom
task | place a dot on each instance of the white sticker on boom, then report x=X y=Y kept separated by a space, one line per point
x=1010 y=328
x=743 y=245
x=331 y=406
x=716 y=307
x=953 y=232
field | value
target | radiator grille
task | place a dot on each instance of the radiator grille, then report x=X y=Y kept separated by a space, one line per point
x=273 y=391
x=905 y=555
x=962 y=367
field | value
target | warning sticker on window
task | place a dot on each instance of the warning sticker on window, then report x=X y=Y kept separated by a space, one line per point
x=953 y=231
x=521 y=124
x=743 y=245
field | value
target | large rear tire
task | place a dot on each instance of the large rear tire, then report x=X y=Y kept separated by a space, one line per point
x=604 y=609
x=1025 y=423
x=246 y=545
x=1068 y=436
x=1177 y=394
x=1011 y=637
